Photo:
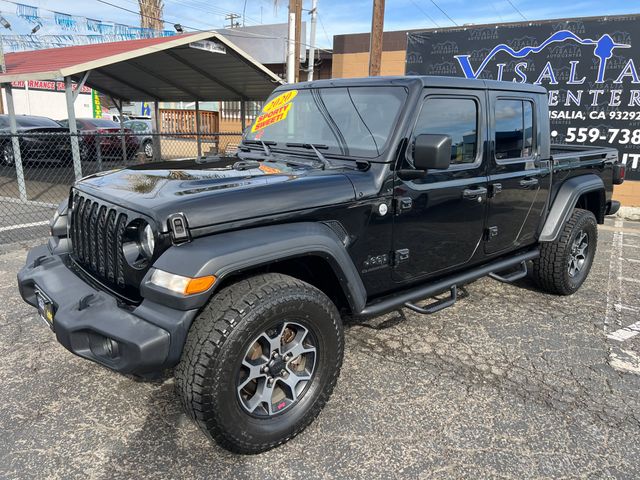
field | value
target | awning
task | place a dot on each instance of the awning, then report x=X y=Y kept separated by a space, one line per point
x=187 y=67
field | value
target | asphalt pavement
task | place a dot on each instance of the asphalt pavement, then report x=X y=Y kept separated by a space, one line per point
x=509 y=383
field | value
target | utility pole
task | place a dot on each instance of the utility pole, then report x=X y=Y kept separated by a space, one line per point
x=312 y=39
x=293 y=48
x=375 y=45
x=151 y=14
x=298 y=38
x=232 y=17
x=291 y=43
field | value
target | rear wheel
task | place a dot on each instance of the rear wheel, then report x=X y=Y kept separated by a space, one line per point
x=260 y=362
x=564 y=264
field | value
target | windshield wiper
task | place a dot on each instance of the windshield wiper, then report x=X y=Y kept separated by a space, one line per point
x=314 y=147
x=263 y=144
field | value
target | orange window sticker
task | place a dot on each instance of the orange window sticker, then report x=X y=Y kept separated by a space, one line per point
x=280 y=100
x=269 y=170
x=271 y=117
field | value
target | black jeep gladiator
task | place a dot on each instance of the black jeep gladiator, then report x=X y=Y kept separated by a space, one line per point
x=346 y=198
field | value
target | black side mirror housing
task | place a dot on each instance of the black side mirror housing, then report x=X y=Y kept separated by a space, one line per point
x=432 y=152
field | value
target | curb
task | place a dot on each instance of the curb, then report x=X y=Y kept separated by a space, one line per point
x=629 y=213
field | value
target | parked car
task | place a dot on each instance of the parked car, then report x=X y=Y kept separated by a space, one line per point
x=348 y=197
x=105 y=134
x=41 y=139
x=143 y=129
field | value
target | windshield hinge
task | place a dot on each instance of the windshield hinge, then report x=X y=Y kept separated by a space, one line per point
x=179 y=228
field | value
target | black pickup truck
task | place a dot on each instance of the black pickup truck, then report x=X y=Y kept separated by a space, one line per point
x=347 y=197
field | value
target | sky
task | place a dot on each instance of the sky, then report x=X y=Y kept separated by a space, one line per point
x=335 y=16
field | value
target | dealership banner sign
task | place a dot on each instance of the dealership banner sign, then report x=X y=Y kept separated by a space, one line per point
x=591 y=68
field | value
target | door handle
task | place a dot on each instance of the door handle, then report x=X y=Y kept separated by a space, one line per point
x=474 y=194
x=529 y=182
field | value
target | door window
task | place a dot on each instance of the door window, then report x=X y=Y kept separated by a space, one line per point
x=456 y=117
x=514 y=129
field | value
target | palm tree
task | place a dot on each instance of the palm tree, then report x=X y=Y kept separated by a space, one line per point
x=151 y=14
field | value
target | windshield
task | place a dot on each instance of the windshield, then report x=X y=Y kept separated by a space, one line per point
x=355 y=121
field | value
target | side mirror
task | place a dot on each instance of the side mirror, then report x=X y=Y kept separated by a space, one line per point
x=432 y=152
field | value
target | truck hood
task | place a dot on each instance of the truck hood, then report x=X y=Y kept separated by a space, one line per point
x=210 y=193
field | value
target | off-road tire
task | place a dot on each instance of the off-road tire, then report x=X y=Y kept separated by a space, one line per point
x=550 y=270
x=206 y=377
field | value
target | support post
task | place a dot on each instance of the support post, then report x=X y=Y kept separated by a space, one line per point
x=243 y=114
x=73 y=129
x=375 y=45
x=123 y=141
x=15 y=144
x=198 y=139
x=155 y=128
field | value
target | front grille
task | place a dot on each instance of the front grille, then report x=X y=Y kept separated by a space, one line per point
x=97 y=233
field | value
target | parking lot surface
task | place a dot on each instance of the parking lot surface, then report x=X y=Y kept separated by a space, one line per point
x=509 y=383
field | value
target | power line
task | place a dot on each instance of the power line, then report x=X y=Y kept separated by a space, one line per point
x=445 y=13
x=325 y=32
x=517 y=10
x=425 y=13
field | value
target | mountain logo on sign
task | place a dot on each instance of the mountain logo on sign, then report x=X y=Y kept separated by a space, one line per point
x=603 y=51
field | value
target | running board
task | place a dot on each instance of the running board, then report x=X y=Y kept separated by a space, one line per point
x=395 y=301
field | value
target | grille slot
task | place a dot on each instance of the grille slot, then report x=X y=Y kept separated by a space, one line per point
x=97 y=233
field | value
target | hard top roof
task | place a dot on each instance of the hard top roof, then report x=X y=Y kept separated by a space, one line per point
x=424 y=81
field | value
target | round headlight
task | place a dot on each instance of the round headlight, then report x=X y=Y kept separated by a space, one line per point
x=147 y=241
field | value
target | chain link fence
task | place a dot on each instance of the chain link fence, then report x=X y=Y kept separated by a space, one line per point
x=38 y=169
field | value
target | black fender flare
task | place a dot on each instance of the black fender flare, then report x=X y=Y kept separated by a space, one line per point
x=227 y=253
x=565 y=201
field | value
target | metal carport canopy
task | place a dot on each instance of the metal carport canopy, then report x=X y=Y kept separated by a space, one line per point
x=178 y=68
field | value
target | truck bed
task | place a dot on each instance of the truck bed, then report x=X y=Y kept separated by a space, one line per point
x=581 y=152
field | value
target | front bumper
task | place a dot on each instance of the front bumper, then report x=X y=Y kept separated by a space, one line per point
x=93 y=324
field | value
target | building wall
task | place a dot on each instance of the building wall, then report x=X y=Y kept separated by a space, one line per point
x=350 y=65
x=47 y=104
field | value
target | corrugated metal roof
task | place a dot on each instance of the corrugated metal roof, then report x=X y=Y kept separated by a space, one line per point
x=164 y=68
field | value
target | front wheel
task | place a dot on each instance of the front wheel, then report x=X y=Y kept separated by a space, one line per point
x=147 y=148
x=260 y=362
x=7 y=154
x=564 y=264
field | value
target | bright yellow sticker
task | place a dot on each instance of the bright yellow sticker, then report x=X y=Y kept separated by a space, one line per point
x=269 y=118
x=280 y=100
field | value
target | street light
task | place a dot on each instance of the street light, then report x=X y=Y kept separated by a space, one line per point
x=3 y=67
x=178 y=28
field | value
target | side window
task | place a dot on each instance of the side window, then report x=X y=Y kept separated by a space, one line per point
x=514 y=129
x=456 y=117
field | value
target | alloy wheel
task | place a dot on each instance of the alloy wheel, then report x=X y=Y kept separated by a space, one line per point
x=277 y=369
x=578 y=253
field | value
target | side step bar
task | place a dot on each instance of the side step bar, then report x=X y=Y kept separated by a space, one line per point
x=437 y=305
x=393 y=302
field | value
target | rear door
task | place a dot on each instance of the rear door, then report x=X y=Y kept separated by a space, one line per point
x=519 y=179
x=439 y=220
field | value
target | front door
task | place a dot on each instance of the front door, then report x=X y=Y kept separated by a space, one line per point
x=518 y=179
x=439 y=217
